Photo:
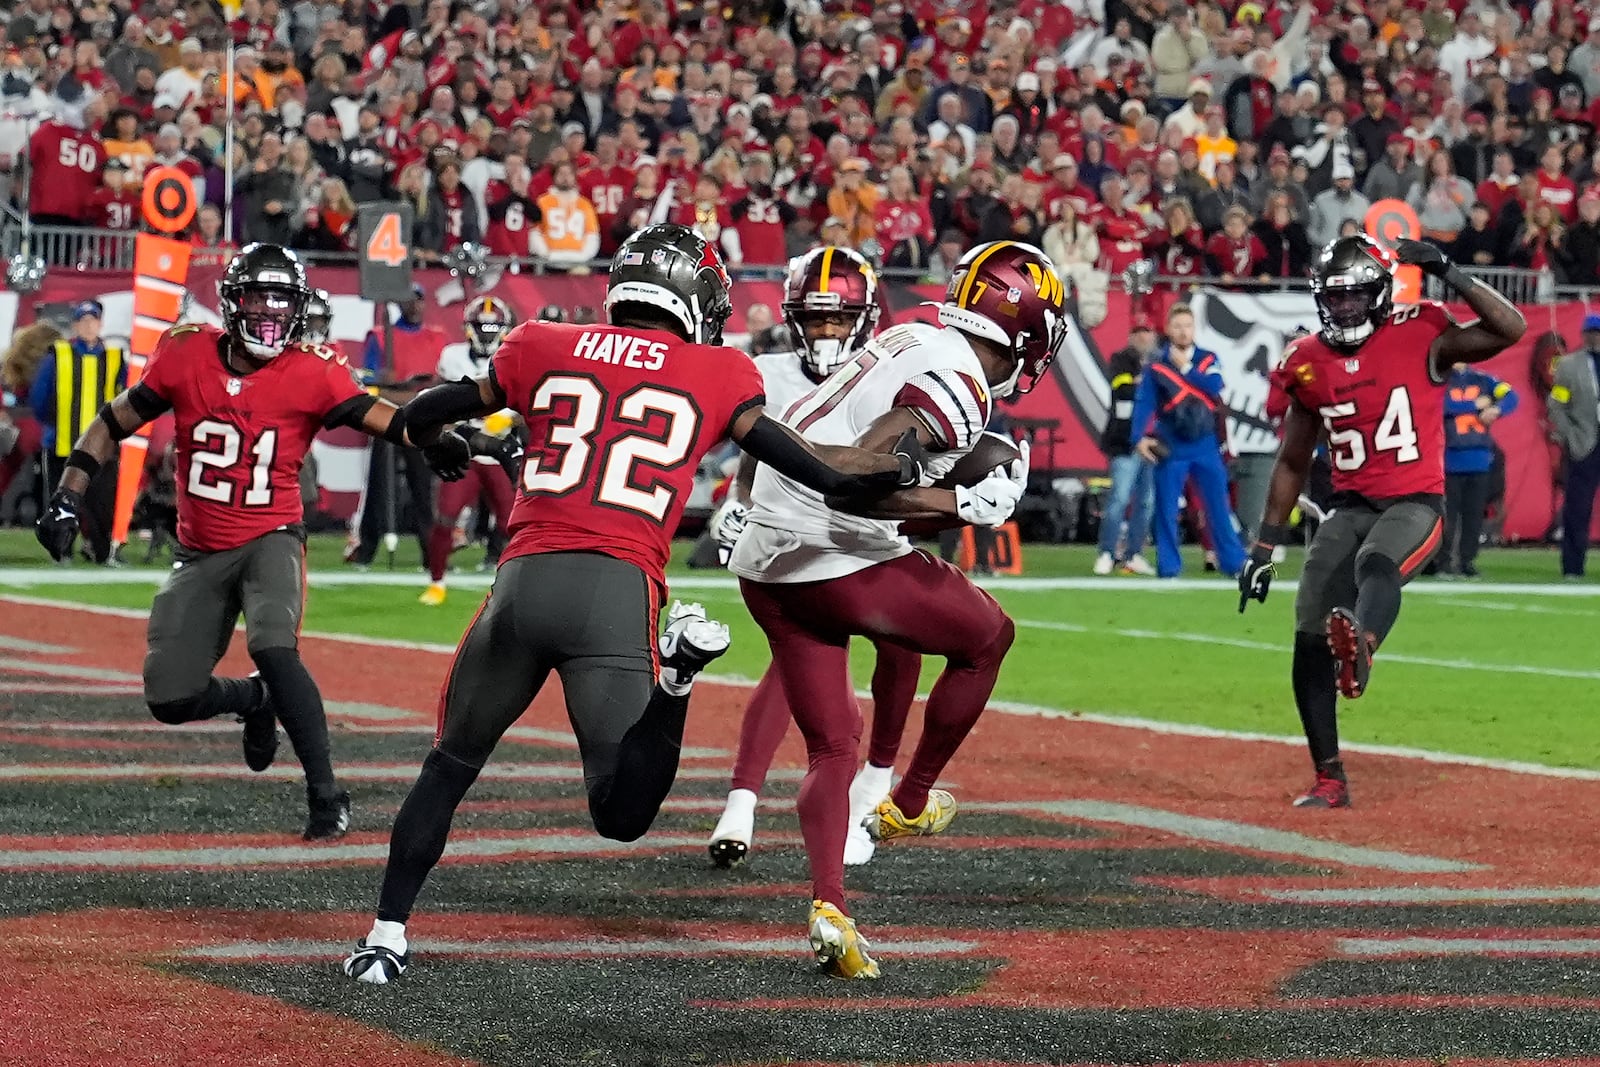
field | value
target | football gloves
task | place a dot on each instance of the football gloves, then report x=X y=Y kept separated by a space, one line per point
x=727 y=523
x=1422 y=254
x=991 y=501
x=57 y=528
x=1255 y=578
x=449 y=456
x=913 y=459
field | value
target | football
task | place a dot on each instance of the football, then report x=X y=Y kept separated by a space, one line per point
x=991 y=450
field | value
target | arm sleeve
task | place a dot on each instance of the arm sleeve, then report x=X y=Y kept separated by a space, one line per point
x=771 y=443
x=41 y=395
x=950 y=404
x=1205 y=375
x=1504 y=396
x=1144 y=407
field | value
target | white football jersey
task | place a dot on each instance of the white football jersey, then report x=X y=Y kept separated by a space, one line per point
x=785 y=380
x=792 y=535
x=457 y=361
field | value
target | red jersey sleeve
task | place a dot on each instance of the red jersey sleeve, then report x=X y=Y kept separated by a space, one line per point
x=507 y=366
x=745 y=387
x=338 y=379
x=1293 y=372
x=163 y=370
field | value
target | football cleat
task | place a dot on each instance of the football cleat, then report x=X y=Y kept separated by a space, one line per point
x=859 y=847
x=1328 y=791
x=329 y=819
x=840 y=949
x=691 y=641
x=433 y=596
x=1137 y=565
x=260 y=729
x=375 y=964
x=1103 y=563
x=1352 y=649
x=730 y=841
x=889 y=822
x=870 y=785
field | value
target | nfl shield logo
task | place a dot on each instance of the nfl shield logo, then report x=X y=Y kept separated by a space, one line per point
x=1352 y=365
x=1013 y=295
x=659 y=256
x=234 y=385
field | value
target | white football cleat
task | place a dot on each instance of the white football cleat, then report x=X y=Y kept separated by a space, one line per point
x=690 y=640
x=1103 y=563
x=375 y=964
x=730 y=841
x=859 y=846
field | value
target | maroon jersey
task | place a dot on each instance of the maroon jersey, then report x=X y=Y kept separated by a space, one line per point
x=760 y=223
x=1242 y=257
x=66 y=165
x=606 y=188
x=242 y=438
x=117 y=210
x=511 y=220
x=618 y=419
x=1382 y=404
x=455 y=212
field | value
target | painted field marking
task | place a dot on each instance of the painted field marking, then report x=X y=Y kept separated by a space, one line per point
x=323 y=950
x=1469 y=946
x=32 y=577
x=68 y=670
x=467 y=847
x=366 y=772
x=1008 y=707
x=104 y=689
x=1417 y=894
x=1237 y=835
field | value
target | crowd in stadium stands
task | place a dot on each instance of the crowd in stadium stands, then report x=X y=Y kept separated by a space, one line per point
x=1225 y=140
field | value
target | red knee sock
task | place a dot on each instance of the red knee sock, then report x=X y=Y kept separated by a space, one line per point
x=766 y=720
x=824 y=807
x=440 y=539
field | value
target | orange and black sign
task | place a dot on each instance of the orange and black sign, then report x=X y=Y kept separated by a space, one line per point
x=169 y=200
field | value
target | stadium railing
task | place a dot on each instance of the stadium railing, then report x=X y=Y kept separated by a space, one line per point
x=88 y=249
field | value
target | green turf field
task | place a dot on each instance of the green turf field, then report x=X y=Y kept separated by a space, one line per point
x=1473 y=670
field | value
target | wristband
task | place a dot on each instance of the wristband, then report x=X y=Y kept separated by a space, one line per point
x=1458 y=279
x=84 y=462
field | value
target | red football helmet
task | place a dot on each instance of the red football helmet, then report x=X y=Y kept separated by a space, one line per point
x=1009 y=293
x=488 y=320
x=830 y=283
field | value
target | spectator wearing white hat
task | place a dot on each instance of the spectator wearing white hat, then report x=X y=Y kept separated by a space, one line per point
x=1191 y=117
x=950 y=121
x=1333 y=206
x=182 y=84
x=1178 y=46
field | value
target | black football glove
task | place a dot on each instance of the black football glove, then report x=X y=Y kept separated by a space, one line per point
x=506 y=451
x=1255 y=577
x=1424 y=255
x=449 y=457
x=913 y=458
x=57 y=528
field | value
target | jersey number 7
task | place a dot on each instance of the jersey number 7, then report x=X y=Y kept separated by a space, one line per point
x=574 y=408
x=1396 y=432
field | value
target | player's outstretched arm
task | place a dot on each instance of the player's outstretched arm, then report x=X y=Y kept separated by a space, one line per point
x=131 y=409
x=433 y=410
x=1500 y=325
x=1300 y=432
x=833 y=470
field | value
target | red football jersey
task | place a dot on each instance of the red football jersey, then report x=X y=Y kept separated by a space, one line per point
x=1382 y=405
x=66 y=166
x=242 y=438
x=618 y=419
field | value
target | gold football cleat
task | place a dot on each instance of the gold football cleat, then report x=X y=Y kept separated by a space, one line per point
x=889 y=822
x=841 y=951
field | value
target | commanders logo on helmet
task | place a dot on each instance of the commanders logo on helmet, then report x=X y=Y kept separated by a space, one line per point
x=830 y=285
x=671 y=269
x=265 y=296
x=1009 y=293
x=319 y=318
x=1353 y=283
x=488 y=320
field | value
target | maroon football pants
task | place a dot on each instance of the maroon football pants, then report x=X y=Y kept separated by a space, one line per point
x=767 y=716
x=482 y=480
x=917 y=602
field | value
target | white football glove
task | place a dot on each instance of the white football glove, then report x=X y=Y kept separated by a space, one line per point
x=727 y=523
x=991 y=501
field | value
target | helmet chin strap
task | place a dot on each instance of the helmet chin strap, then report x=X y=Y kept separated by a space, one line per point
x=1009 y=386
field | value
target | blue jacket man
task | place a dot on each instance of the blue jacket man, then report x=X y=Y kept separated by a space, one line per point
x=1474 y=401
x=1175 y=411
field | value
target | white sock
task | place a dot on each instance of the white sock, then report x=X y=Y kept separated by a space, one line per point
x=741 y=803
x=871 y=784
x=671 y=685
x=391 y=936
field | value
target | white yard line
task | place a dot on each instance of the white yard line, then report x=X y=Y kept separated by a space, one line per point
x=597 y=946
x=1009 y=707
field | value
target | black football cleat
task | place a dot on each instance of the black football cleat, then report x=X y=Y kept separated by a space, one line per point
x=728 y=852
x=260 y=729
x=1352 y=650
x=329 y=819
x=375 y=964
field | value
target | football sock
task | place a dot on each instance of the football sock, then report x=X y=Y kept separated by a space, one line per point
x=958 y=698
x=420 y=831
x=222 y=696
x=389 y=935
x=766 y=720
x=894 y=687
x=439 y=541
x=824 y=809
x=298 y=703
x=1378 y=599
x=871 y=784
x=1316 y=695
x=624 y=804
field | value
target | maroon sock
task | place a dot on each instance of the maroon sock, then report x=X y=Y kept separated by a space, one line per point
x=766 y=720
x=894 y=687
x=958 y=698
x=439 y=541
x=824 y=807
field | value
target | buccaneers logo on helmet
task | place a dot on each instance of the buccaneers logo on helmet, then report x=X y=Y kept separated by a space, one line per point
x=1009 y=293
x=832 y=291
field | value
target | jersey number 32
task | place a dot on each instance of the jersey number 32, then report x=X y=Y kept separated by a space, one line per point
x=575 y=408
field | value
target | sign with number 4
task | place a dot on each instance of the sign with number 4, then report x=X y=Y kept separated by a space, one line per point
x=384 y=231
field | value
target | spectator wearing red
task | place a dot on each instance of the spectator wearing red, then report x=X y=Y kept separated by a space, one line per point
x=605 y=183
x=65 y=162
x=1178 y=245
x=761 y=216
x=904 y=223
x=1122 y=232
x=641 y=200
x=1538 y=243
x=1235 y=253
x=513 y=211
x=1065 y=187
x=1555 y=188
x=708 y=214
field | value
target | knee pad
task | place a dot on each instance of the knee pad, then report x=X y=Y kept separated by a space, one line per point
x=612 y=825
x=1376 y=565
x=175 y=712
